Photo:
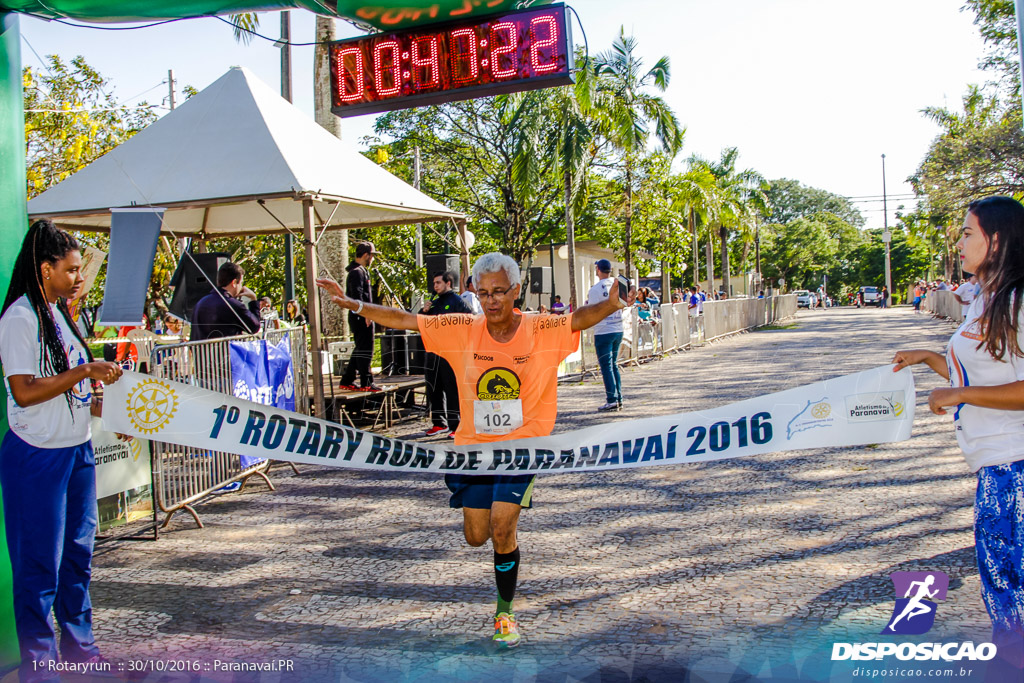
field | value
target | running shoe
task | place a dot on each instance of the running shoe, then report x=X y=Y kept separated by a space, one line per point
x=373 y=388
x=506 y=630
x=610 y=406
x=348 y=387
x=438 y=431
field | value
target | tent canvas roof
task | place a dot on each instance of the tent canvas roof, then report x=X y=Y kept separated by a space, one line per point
x=212 y=160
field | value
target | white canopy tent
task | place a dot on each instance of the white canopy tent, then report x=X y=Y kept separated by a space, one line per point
x=238 y=159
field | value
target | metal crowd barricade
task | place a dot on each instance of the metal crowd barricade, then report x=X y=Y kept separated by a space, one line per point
x=943 y=304
x=183 y=475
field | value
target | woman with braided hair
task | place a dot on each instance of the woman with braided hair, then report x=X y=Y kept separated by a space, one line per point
x=47 y=469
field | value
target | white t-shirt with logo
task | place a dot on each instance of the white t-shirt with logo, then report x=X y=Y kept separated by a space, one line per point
x=49 y=424
x=473 y=302
x=987 y=436
x=598 y=293
x=968 y=293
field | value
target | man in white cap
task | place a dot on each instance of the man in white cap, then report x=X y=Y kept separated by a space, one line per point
x=607 y=338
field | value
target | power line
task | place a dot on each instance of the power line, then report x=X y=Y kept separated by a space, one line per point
x=872 y=196
x=108 y=28
x=86 y=110
x=168 y=21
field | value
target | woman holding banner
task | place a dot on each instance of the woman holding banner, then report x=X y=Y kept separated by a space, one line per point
x=47 y=469
x=985 y=365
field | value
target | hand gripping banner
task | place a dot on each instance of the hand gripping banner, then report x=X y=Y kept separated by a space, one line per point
x=875 y=406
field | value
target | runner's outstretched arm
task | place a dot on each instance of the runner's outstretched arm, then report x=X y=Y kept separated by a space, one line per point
x=591 y=314
x=382 y=315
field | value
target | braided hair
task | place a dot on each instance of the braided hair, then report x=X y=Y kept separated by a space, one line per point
x=44 y=242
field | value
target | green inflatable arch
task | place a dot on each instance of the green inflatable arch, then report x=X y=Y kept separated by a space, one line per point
x=381 y=14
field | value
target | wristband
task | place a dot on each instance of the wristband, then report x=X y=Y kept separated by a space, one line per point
x=359 y=308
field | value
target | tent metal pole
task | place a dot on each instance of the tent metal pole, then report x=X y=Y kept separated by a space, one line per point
x=313 y=305
x=461 y=225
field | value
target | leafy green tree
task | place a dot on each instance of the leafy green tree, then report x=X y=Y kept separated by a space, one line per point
x=937 y=234
x=799 y=252
x=980 y=152
x=628 y=110
x=489 y=158
x=789 y=199
x=659 y=220
x=71 y=120
x=996 y=21
x=908 y=262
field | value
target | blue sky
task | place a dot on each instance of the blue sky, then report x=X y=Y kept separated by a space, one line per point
x=814 y=90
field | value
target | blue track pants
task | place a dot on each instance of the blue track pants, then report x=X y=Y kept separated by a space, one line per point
x=51 y=518
x=999 y=541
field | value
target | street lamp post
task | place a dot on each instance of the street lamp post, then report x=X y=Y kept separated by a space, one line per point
x=886 y=235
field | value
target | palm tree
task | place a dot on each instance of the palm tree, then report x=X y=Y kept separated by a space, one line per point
x=695 y=196
x=627 y=111
x=573 y=146
x=741 y=194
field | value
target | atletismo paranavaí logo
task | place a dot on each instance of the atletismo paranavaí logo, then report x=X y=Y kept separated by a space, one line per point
x=917 y=598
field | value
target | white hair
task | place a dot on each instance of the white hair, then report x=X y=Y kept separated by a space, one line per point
x=494 y=262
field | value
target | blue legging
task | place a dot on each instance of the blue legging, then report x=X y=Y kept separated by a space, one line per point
x=999 y=542
x=607 y=347
x=50 y=516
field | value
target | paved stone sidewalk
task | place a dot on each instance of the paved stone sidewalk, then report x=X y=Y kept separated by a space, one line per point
x=753 y=565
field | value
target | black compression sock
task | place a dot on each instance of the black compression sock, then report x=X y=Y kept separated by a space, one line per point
x=506 y=574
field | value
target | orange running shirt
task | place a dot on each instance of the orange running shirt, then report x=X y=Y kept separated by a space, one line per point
x=526 y=367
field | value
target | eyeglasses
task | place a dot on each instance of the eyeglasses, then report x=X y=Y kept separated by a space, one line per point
x=494 y=293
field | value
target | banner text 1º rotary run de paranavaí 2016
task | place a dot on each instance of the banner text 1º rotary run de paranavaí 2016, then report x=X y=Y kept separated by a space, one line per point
x=875 y=406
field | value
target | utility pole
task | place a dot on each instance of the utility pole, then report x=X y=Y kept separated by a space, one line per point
x=886 y=235
x=170 y=87
x=286 y=92
x=757 y=252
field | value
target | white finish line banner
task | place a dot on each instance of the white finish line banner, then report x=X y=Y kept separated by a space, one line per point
x=875 y=406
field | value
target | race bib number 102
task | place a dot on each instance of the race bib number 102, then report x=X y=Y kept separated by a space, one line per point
x=497 y=417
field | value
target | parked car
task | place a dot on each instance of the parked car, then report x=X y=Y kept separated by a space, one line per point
x=870 y=296
x=805 y=299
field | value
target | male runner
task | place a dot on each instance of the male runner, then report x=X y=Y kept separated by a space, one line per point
x=506 y=363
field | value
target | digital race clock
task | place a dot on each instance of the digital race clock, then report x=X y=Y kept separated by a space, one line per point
x=504 y=53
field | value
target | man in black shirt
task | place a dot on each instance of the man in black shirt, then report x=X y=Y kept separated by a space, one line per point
x=357 y=288
x=220 y=313
x=442 y=387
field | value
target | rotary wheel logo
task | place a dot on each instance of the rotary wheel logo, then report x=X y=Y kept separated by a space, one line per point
x=821 y=410
x=151 y=405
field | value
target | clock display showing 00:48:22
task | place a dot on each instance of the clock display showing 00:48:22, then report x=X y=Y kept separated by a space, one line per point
x=514 y=51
